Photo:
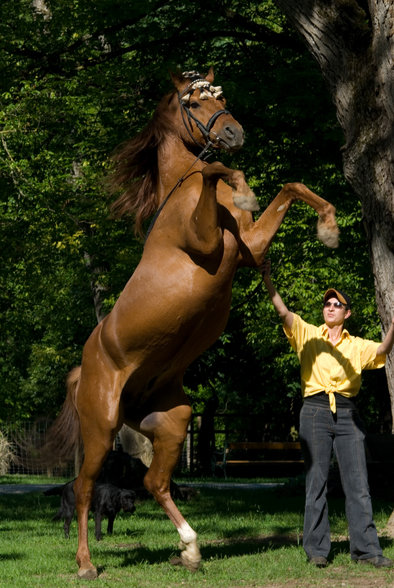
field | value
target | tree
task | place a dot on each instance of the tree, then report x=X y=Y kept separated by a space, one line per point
x=353 y=43
x=75 y=82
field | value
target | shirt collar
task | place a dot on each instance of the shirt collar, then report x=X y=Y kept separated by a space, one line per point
x=324 y=331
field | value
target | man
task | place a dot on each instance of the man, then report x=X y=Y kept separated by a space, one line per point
x=331 y=364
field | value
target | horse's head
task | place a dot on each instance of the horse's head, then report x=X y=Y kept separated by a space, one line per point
x=203 y=108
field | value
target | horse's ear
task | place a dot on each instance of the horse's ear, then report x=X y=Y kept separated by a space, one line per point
x=210 y=75
x=177 y=79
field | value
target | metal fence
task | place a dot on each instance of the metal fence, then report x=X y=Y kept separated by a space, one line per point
x=25 y=442
x=206 y=438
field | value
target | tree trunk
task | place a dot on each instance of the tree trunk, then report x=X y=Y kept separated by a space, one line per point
x=97 y=288
x=353 y=44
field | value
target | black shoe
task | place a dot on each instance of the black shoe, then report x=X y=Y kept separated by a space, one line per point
x=319 y=561
x=379 y=561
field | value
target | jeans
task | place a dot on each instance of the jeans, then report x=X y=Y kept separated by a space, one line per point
x=321 y=431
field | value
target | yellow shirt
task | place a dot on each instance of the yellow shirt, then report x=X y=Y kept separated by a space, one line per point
x=329 y=368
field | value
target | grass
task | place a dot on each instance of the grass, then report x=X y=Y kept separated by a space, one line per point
x=248 y=538
x=22 y=479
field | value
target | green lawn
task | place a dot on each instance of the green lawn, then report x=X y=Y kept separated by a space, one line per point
x=248 y=538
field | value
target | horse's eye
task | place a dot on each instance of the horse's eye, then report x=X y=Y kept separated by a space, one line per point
x=194 y=105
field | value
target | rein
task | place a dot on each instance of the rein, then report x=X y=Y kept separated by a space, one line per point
x=205 y=131
x=178 y=183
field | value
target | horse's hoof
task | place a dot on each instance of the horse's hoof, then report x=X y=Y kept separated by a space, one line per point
x=190 y=565
x=246 y=201
x=87 y=573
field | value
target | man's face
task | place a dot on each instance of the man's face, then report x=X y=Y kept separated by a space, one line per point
x=334 y=312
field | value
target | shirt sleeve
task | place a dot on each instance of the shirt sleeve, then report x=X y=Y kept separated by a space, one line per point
x=369 y=359
x=294 y=335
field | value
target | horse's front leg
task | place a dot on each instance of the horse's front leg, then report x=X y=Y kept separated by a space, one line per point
x=259 y=236
x=168 y=431
x=243 y=196
x=205 y=234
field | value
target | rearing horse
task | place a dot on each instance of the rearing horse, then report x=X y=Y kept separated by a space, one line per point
x=177 y=302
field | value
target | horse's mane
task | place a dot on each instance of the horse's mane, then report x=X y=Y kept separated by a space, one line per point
x=135 y=170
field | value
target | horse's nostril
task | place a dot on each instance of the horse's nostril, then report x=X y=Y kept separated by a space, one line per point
x=232 y=136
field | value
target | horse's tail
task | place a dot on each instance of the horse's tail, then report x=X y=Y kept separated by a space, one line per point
x=62 y=439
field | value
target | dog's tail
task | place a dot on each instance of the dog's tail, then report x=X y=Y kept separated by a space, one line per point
x=63 y=438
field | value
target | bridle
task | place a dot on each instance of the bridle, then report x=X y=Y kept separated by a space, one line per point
x=206 y=90
x=188 y=116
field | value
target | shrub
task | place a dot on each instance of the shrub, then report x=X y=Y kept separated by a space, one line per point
x=6 y=454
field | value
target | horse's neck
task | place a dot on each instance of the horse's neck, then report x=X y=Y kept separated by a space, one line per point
x=174 y=161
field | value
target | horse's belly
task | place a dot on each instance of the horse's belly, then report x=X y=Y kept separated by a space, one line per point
x=166 y=316
x=159 y=331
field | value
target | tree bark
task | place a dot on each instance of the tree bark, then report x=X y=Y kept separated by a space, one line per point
x=353 y=42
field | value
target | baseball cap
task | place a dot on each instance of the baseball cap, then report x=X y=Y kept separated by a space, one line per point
x=341 y=296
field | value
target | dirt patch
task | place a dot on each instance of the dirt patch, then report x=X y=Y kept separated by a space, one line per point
x=338 y=578
x=288 y=539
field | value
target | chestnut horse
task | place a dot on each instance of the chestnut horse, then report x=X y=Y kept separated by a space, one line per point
x=177 y=301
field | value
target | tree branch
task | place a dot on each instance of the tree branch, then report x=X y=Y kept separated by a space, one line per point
x=235 y=26
x=13 y=168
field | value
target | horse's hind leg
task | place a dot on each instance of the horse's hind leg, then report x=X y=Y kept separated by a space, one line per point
x=168 y=431
x=98 y=441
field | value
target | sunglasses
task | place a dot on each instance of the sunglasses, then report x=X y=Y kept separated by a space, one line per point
x=334 y=304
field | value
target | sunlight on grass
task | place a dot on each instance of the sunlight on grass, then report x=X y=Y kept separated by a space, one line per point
x=247 y=538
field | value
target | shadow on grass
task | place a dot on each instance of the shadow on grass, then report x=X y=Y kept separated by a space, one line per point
x=11 y=556
x=24 y=507
x=135 y=554
x=338 y=547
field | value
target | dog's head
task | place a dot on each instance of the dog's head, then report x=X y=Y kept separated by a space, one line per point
x=127 y=499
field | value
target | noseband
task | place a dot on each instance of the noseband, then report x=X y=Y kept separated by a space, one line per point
x=205 y=130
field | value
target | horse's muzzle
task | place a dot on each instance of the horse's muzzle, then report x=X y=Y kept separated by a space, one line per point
x=230 y=137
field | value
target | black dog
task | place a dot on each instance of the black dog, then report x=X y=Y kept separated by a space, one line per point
x=107 y=501
x=126 y=471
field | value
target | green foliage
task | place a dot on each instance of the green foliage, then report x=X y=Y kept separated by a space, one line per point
x=75 y=82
